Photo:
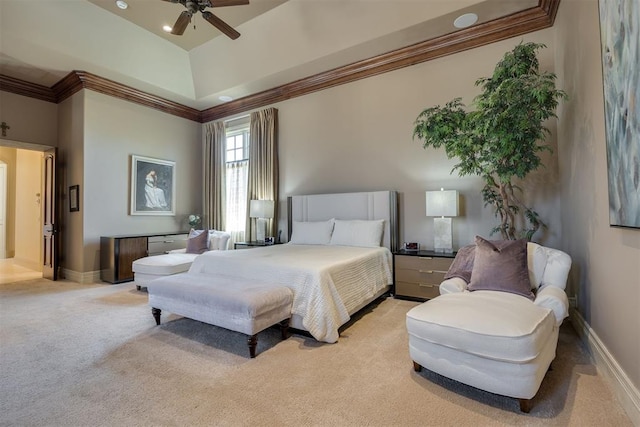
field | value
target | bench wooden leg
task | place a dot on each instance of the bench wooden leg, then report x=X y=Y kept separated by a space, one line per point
x=525 y=405
x=156 y=314
x=253 y=342
x=284 y=329
x=417 y=367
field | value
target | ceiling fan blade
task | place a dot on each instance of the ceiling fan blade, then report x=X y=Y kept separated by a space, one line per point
x=221 y=25
x=171 y=1
x=181 y=23
x=222 y=3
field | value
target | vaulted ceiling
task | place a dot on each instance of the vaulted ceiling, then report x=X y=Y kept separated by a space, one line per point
x=286 y=48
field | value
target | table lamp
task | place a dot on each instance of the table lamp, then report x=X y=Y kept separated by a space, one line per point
x=262 y=210
x=441 y=204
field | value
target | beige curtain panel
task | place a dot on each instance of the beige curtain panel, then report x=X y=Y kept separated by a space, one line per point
x=263 y=181
x=214 y=197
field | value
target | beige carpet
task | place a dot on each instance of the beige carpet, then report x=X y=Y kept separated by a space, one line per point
x=87 y=355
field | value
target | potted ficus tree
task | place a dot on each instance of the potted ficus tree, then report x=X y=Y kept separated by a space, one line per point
x=501 y=138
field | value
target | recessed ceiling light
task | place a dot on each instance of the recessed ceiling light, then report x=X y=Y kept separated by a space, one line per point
x=466 y=20
x=167 y=28
x=122 y=4
x=225 y=98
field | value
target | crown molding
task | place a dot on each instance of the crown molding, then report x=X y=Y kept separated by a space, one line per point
x=533 y=19
x=21 y=87
x=77 y=80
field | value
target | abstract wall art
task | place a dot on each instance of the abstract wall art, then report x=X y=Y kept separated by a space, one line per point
x=620 y=41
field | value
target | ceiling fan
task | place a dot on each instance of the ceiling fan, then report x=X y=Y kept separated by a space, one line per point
x=193 y=6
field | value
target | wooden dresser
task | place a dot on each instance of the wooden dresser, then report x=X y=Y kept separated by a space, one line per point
x=117 y=253
x=417 y=275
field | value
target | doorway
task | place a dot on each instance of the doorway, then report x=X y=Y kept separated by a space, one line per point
x=20 y=201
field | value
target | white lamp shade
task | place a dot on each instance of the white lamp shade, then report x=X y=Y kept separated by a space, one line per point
x=442 y=203
x=261 y=208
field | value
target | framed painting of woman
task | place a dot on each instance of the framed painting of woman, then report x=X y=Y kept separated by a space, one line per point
x=153 y=185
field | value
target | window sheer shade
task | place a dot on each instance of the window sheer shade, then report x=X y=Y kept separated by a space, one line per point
x=236 y=214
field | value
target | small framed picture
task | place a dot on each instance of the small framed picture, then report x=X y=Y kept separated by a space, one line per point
x=268 y=240
x=411 y=246
x=74 y=198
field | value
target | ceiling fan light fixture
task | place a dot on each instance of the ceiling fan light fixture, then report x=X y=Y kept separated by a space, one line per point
x=122 y=4
x=466 y=20
x=167 y=28
x=195 y=6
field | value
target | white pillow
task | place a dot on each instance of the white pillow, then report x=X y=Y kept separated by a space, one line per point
x=312 y=232
x=358 y=233
x=218 y=240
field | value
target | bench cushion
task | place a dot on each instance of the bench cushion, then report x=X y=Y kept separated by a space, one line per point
x=240 y=305
x=514 y=330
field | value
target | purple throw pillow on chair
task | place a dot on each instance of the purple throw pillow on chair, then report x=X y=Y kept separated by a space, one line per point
x=198 y=244
x=501 y=266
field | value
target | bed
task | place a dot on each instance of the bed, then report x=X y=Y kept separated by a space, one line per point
x=331 y=279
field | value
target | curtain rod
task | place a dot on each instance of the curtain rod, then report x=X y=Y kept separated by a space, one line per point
x=236 y=118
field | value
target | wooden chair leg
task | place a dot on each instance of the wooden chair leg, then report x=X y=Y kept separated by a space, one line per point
x=525 y=405
x=253 y=342
x=417 y=367
x=284 y=329
x=156 y=314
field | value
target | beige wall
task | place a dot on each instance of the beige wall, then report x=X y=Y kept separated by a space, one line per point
x=28 y=209
x=70 y=172
x=606 y=260
x=31 y=120
x=358 y=137
x=108 y=146
x=8 y=155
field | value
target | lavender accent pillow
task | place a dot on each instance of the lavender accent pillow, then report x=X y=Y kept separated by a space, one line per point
x=198 y=244
x=501 y=266
x=462 y=264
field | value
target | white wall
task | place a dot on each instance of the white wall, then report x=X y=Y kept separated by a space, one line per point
x=606 y=260
x=28 y=209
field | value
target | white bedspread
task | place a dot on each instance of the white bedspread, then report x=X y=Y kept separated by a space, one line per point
x=327 y=281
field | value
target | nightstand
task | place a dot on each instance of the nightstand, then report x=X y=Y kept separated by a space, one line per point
x=249 y=245
x=417 y=274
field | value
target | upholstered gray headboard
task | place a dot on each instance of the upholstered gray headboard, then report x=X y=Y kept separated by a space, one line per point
x=346 y=206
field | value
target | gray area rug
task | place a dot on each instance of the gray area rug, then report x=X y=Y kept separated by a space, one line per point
x=81 y=355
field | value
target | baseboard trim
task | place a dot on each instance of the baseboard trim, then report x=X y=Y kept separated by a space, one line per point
x=627 y=394
x=81 y=277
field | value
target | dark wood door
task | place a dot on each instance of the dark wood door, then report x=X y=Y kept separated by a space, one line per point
x=50 y=236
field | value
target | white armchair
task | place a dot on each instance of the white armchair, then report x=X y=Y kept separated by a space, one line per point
x=496 y=341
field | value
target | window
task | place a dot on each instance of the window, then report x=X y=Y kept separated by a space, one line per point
x=237 y=161
x=237 y=149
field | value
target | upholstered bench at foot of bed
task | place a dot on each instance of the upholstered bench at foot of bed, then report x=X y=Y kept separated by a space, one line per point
x=247 y=307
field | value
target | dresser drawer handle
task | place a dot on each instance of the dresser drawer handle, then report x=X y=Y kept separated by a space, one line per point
x=168 y=241
x=425 y=257
x=425 y=285
x=426 y=271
